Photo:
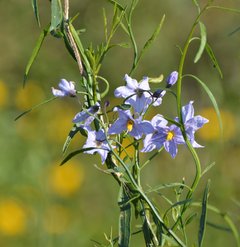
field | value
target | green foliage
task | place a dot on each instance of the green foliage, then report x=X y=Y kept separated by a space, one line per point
x=203 y=218
x=159 y=227
x=35 y=52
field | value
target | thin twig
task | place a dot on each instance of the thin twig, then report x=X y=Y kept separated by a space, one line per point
x=70 y=37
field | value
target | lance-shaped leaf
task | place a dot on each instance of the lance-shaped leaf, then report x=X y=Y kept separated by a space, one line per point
x=152 y=38
x=74 y=153
x=214 y=59
x=203 y=218
x=35 y=52
x=33 y=108
x=75 y=129
x=212 y=98
x=124 y=218
x=36 y=11
x=148 y=228
x=56 y=15
x=203 y=42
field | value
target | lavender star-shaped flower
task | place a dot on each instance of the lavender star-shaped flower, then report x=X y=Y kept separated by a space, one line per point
x=163 y=136
x=136 y=93
x=66 y=88
x=135 y=127
x=192 y=123
x=97 y=141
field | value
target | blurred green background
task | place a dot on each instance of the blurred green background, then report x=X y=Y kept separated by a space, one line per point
x=43 y=204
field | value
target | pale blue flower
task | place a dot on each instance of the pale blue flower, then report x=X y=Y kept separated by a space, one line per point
x=97 y=141
x=66 y=88
x=163 y=136
x=135 y=127
x=136 y=93
x=192 y=123
x=87 y=116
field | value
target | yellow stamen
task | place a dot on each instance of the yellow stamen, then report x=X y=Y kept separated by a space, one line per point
x=170 y=135
x=130 y=124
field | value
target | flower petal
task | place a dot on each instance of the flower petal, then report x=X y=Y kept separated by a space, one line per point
x=187 y=111
x=171 y=147
x=159 y=121
x=117 y=127
x=58 y=93
x=143 y=84
x=131 y=83
x=123 y=92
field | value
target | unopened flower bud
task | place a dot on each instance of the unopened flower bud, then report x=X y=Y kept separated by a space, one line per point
x=172 y=79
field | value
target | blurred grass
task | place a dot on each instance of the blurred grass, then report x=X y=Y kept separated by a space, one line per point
x=42 y=204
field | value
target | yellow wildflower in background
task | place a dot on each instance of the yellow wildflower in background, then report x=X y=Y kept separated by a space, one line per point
x=29 y=96
x=211 y=131
x=56 y=219
x=12 y=218
x=67 y=179
x=3 y=94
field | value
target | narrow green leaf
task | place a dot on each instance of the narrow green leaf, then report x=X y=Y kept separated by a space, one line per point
x=190 y=218
x=124 y=218
x=203 y=218
x=227 y=219
x=183 y=202
x=56 y=14
x=213 y=59
x=212 y=98
x=148 y=227
x=208 y=168
x=148 y=233
x=234 y=31
x=219 y=227
x=152 y=38
x=75 y=129
x=117 y=4
x=36 y=11
x=105 y=24
x=33 y=108
x=35 y=52
x=159 y=231
x=165 y=186
x=74 y=153
x=203 y=42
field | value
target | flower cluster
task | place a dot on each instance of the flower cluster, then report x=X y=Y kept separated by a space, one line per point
x=156 y=134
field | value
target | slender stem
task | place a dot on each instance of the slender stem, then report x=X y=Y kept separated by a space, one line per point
x=136 y=163
x=143 y=195
x=179 y=109
x=181 y=65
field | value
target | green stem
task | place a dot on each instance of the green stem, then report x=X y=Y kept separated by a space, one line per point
x=143 y=195
x=179 y=111
x=181 y=64
x=136 y=164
